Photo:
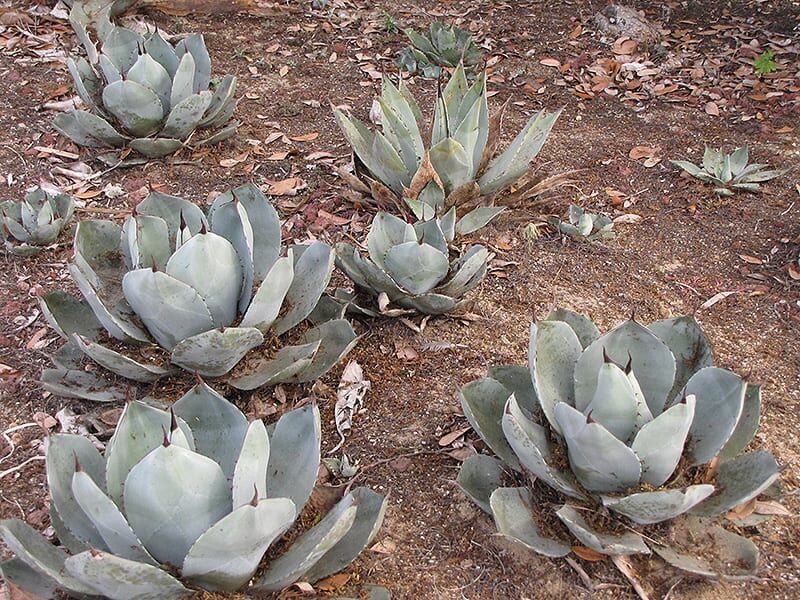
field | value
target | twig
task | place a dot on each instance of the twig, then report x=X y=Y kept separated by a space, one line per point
x=587 y=581
x=384 y=461
x=8 y=440
x=18 y=467
x=625 y=567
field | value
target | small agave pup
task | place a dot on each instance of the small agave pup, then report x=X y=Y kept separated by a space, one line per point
x=34 y=222
x=584 y=226
x=460 y=167
x=186 y=500
x=624 y=422
x=729 y=172
x=410 y=264
x=143 y=93
x=173 y=276
x=441 y=46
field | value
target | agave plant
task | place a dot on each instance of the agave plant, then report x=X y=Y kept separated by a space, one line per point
x=584 y=226
x=96 y=14
x=189 y=499
x=172 y=276
x=34 y=222
x=624 y=422
x=410 y=264
x=460 y=167
x=729 y=172
x=145 y=94
x=441 y=46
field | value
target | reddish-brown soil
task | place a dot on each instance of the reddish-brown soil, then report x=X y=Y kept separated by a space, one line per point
x=686 y=248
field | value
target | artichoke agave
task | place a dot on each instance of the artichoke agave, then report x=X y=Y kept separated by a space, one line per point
x=411 y=264
x=623 y=422
x=145 y=94
x=442 y=46
x=186 y=499
x=585 y=226
x=34 y=222
x=729 y=172
x=171 y=275
x=460 y=167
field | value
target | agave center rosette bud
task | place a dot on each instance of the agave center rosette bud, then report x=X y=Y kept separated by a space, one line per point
x=34 y=222
x=207 y=290
x=441 y=46
x=410 y=265
x=143 y=93
x=185 y=500
x=584 y=226
x=729 y=173
x=626 y=421
x=459 y=167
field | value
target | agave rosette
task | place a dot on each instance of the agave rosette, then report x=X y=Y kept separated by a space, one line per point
x=145 y=94
x=173 y=278
x=36 y=221
x=729 y=173
x=584 y=226
x=185 y=500
x=459 y=167
x=624 y=422
x=441 y=46
x=411 y=266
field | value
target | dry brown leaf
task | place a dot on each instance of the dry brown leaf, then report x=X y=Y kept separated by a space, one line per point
x=588 y=554
x=770 y=507
x=742 y=510
x=550 y=62
x=333 y=583
x=627 y=218
x=306 y=137
x=639 y=152
x=712 y=109
x=405 y=352
x=716 y=298
x=751 y=260
x=287 y=187
x=451 y=437
x=386 y=546
x=794 y=272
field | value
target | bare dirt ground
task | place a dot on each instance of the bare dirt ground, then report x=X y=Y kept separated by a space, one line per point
x=686 y=248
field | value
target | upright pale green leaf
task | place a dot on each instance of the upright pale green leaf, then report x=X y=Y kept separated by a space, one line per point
x=268 y=299
x=688 y=343
x=483 y=402
x=185 y=117
x=452 y=162
x=739 y=480
x=294 y=455
x=479 y=476
x=416 y=267
x=387 y=231
x=513 y=515
x=153 y=75
x=312 y=272
x=614 y=403
x=183 y=81
x=659 y=444
x=250 y=471
x=135 y=106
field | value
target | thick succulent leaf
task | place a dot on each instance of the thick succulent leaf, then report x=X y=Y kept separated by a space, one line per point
x=364 y=273
x=40 y=555
x=121 y=46
x=659 y=444
x=336 y=338
x=215 y=352
x=483 y=402
x=229 y=220
x=135 y=106
x=170 y=309
x=479 y=476
x=86 y=82
x=118 y=363
x=512 y=509
x=599 y=460
x=67 y=315
x=225 y=557
x=218 y=427
x=62 y=452
x=689 y=346
x=150 y=73
x=250 y=471
x=429 y=304
x=646 y=508
x=171 y=497
x=431 y=233
x=312 y=272
x=466 y=270
x=196 y=46
x=308 y=548
x=173 y=209
x=224 y=97
x=139 y=431
x=289 y=361
x=185 y=116
x=266 y=227
x=720 y=400
x=509 y=166
x=614 y=403
x=583 y=327
x=387 y=231
x=68 y=383
x=416 y=267
x=156 y=147
x=147 y=241
x=614 y=545
x=747 y=426
x=183 y=81
x=517 y=378
x=452 y=162
x=223 y=134
x=108 y=520
x=370 y=510
x=294 y=455
x=687 y=166
x=118 y=578
x=553 y=351
x=267 y=302
x=209 y=264
x=400 y=126
x=532 y=447
x=477 y=218
x=652 y=364
x=731 y=548
x=162 y=52
x=739 y=480
x=28 y=579
x=86 y=129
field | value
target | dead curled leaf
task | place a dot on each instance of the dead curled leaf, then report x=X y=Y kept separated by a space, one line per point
x=287 y=187
x=588 y=554
x=349 y=399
